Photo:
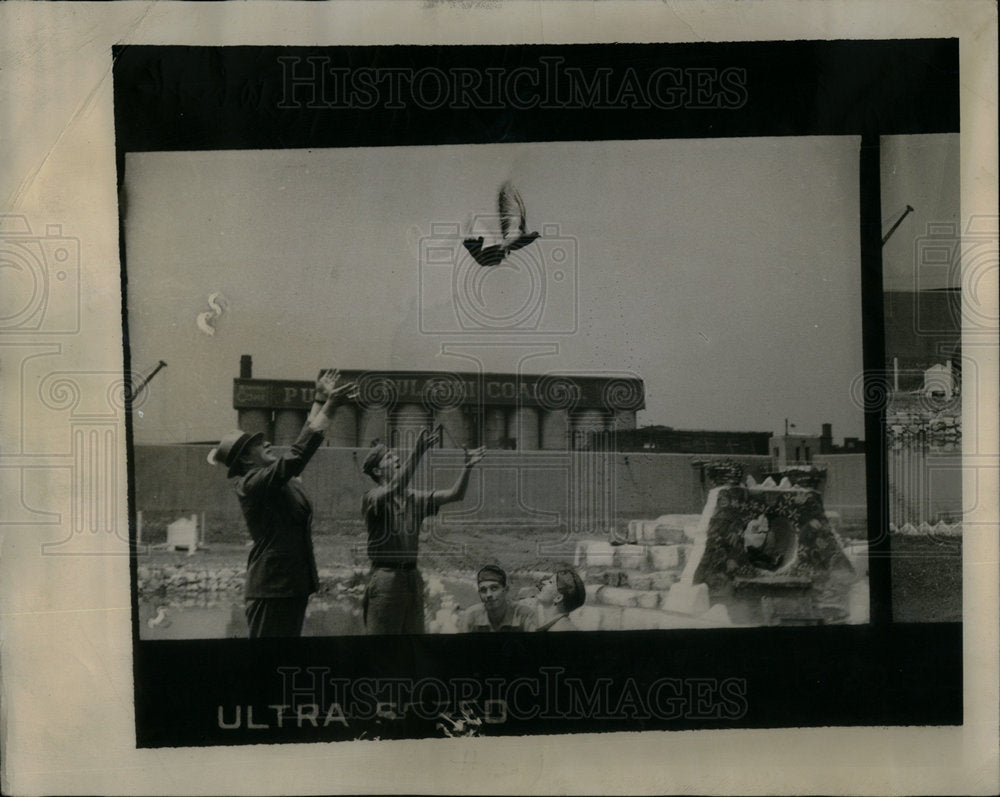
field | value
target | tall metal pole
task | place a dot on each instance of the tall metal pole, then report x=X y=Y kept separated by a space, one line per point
x=139 y=388
x=898 y=222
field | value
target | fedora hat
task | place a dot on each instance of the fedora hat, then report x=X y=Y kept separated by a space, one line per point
x=231 y=447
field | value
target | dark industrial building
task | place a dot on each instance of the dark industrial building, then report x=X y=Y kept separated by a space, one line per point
x=664 y=439
x=513 y=411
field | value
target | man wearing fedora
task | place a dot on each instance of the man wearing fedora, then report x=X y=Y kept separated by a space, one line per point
x=394 y=513
x=281 y=567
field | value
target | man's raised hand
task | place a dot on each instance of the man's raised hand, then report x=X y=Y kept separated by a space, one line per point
x=475 y=456
x=427 y=440
x=348 y=390
x=325 y=386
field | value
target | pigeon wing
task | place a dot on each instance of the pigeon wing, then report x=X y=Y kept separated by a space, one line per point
x=512 y=221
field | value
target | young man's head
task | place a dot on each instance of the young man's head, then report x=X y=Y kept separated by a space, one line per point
x=491 y=581
x=563 y=590
x=381 y=463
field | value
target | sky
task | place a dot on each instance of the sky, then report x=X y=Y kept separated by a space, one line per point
x=723 y=272
x=923 y=172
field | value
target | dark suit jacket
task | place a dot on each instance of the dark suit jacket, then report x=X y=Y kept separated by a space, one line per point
x=279 y=517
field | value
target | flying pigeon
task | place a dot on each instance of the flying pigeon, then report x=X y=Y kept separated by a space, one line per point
x=513 y=230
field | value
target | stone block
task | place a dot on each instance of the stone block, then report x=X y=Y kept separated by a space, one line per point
x=662 y=580
x=668 y=535
x=587 y=618
x=666 y=557
x=615 y=596
x=665 y=530
x=718 y=616
x=642 y=619
x=689 y=599
x=631 y=557
x=628 y=598
x=596 y=553
x=857 y=555
x=633 y=533
x=597 y=618
x=640 y=581
x=615 y=578
x=619 y=536
x=611 y=618
x=858 y=605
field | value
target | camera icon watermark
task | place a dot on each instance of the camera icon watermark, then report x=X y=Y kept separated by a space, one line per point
x=41 y=278
x=945 y=255
x=530 y=290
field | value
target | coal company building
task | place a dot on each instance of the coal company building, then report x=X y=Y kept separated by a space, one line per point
x=523 y=412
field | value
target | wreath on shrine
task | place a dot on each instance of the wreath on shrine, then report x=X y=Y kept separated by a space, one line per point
x=726 y=554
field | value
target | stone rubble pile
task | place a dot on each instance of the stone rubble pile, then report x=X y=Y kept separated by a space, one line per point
x=191 y=579
x=636 y=581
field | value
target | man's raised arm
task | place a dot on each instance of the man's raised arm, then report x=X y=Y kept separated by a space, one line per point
x=400 y=480
x=457 y=490
x=328 y=396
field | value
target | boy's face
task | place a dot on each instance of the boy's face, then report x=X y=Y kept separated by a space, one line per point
x=493 y=594
x=389 y=464
x=547 y=591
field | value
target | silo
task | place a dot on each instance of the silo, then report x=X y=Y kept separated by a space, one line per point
x=523 y=425
x=343 y=431
x=455 y=424
x=555 y=430
x=287 y=426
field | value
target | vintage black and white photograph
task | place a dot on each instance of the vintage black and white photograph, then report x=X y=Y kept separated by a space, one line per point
x=642 y=398
x=411 y=406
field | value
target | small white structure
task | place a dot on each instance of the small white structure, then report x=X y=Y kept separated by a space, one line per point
x=938 y=380
x=182 y=534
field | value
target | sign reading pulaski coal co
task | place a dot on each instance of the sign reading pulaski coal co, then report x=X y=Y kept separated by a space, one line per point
x=438 y=390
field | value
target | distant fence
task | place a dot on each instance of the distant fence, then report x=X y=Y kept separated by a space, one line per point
x=925 y=481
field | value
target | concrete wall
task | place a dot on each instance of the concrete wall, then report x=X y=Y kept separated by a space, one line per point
x=844 y=490
x=579 y=491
